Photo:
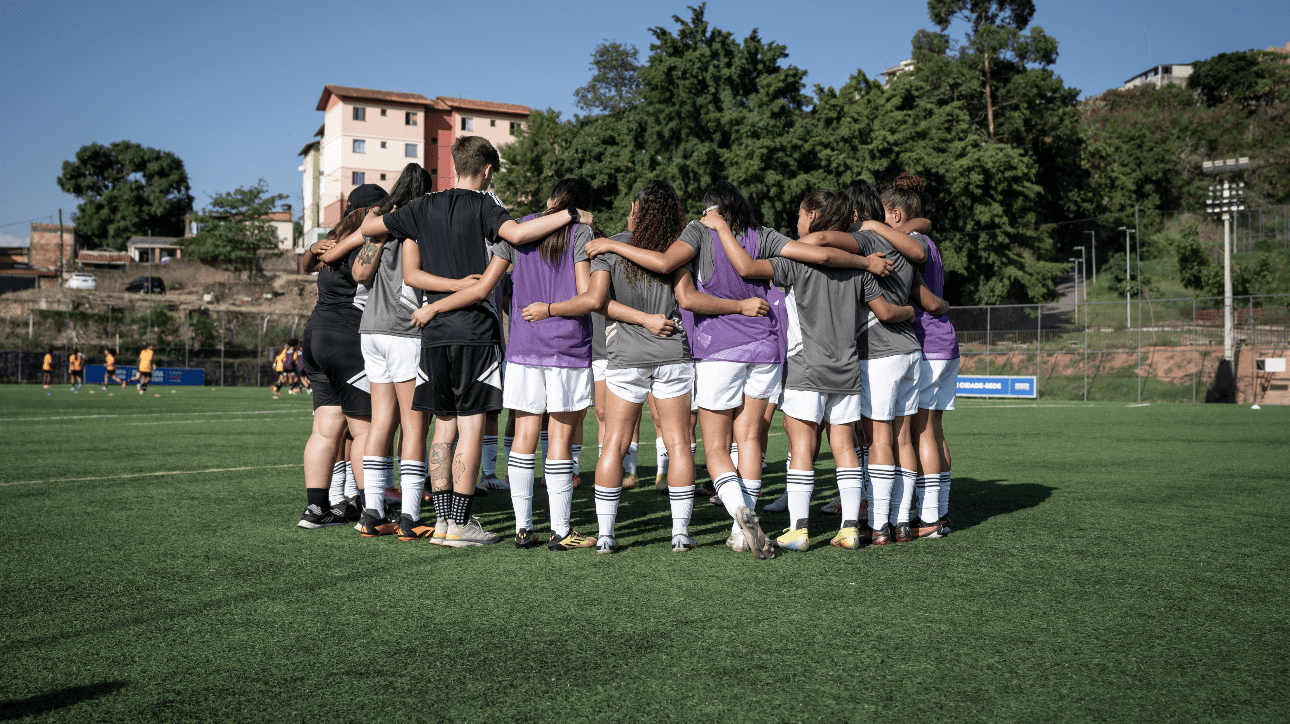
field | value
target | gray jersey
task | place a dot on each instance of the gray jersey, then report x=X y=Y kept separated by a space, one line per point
x=824 y=313
x=880 y=339
x=699 y=237
x=630 y=345
x=390 y=302
x=598 y=349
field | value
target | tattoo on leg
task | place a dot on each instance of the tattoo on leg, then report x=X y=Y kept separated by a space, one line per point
x=440 y=474
x=459 y=469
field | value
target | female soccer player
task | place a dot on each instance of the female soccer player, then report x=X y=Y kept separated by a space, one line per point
x=109 y=368
x=47 y=368
x=76 y=369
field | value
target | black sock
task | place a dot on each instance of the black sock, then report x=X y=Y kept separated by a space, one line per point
x=461 y=506
x=442 y=504
x=318 y=497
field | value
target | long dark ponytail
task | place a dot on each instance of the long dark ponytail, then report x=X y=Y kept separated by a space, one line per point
x=568 y=193
x=413 y=182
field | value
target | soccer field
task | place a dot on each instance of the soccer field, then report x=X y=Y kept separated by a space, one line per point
x=1108 y=563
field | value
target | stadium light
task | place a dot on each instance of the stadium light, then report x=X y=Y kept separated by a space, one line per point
x=1223 y=199
x=1083 y=276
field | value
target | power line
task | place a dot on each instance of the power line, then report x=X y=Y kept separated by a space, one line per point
x=49 y=216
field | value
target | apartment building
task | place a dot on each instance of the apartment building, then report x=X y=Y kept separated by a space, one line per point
x=368 y=136
x=1160 y=76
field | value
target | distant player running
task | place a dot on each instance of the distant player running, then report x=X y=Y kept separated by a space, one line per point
x=142 y=373
x=280 y=366
x=47 y=368
x=76 y=369
x=109 y=369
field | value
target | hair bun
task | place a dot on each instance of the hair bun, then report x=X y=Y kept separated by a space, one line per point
x=909 y=182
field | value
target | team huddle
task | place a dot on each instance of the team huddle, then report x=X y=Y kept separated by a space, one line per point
x=719 y=322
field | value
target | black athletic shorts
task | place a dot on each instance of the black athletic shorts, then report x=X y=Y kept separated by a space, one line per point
x=334 y=363
x=459 y=380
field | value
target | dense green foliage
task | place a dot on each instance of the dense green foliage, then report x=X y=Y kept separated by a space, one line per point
x=127 y=190
x=1017 y=168
x=234 y=230
x=178 y=588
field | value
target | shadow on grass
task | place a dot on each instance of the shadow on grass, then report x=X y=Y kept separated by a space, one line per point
x=45 y=703
x=973 y=501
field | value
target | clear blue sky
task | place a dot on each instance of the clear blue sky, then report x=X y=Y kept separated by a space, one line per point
x=231 y=87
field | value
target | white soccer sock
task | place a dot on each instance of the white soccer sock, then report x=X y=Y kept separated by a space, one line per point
x=883 y=478
x=559 y=492
x=376 y=473
x=351 y=483
x=682 y=508
x=489 y=455
x=734 y=454
x=851 y=490
x=629 y=462
x=753 y=489
x=519 y=468
x=607 y=508
x=412 y=481
x=506 y=446
x=730 y=491
x=864 y=462
x=788 y=464
x=542 y=441
x=763 y=461
x=694 y=448
x=801 y=483
x=336 y=492
x=660 y=456
x=943 y=495
x=902 y=495
x=577 y=458
x=929 y=497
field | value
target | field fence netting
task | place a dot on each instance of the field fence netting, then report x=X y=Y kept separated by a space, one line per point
x=1142 y=350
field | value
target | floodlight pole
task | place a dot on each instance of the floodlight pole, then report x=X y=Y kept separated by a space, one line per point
x=1128 y=291
x=1084 y=275
x=1229 y=345
x=1231 y=199
x=1093 y=254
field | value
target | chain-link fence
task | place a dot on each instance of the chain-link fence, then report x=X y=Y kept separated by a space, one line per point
x=234 y=348
x=1140 y=350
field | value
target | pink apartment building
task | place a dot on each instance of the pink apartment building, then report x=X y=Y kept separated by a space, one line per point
x=368 y=136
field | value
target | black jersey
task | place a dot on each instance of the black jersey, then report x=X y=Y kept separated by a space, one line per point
x=340 y=298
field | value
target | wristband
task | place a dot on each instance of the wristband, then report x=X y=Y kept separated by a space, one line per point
x=548 y=309
x=573 y=215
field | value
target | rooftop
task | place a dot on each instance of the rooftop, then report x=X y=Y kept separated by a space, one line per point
x=445 y=103
x=152 y=241
x=368 y=94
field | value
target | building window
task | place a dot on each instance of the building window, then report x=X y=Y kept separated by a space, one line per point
x=515 y=126
x=382 y=144
x=360 y=178
x=360 y=113
x=382 y=112
x=410 y=150
x=382 y=177
x=434 y=140
x=410 y=118
x=492 y=123
x=360 y=146
x=434 y=172
x=467 y=124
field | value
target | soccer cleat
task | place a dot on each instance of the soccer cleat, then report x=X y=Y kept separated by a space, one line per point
x=682 y=542
x=315 y=517
x=607 y=544
x=761 y=545
x=919 y=529
x=848 y=538
x=833 y=507
x=881 y=536
x=440 y=530
x=373 y=524
x=470 y=534
x=900 y=533
x=526 y=538
x=794 y=540
x=354 y=507
x=945 y=523
x=865 y=534
x=630 y=482
x=393 y=495
x=414 y=529
x=569 y=542
x=492 y=483
x=738 y=543
x=780 y=504
x=660 y=483
x=706 y=489
x=480 y=490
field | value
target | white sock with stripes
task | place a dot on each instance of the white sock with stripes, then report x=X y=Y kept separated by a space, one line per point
x=851 y=490
x=376 y=474
x=694 y=448
x=682 y=500
x=902 y=497
x=559 y=492
x=734 y=454
x=753 y=489
x=607 y=508
x=519 y=468
x=577 y=457
x=629 y=462
x=542 y=442
x=929 y=497
x=336 y=491
x=883 y=479
x=943 y=495
x=412 y=481
x=660 y=456
x=801 y=483
x=351 y=483
x=730 y=491
x=489 y=455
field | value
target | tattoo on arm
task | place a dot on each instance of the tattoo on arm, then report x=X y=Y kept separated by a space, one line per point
x=440 y=472
x=367 y=253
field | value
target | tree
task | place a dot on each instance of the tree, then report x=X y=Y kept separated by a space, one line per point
x=127 y=189
x=1249 y=79
x=235 y=230
x=614 y=87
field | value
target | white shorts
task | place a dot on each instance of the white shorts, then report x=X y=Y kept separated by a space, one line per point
x=598 y=367
x=546 y=389
x=812 y=406
x=388 y=358
x=940 y=384
x=889 y=386
x=722 y=385
x=664 y=381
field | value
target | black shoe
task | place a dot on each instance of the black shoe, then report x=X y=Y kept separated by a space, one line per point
x=353 y=509
x=315 y=517
x=414 y=529
x=527 y=539
x=706 y=489
x=372 y=524
x=881 y=536
x=900 y=533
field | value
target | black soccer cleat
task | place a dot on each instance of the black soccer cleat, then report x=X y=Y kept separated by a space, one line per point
x=315 y=517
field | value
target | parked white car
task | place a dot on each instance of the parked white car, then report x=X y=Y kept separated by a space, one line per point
x=81 y=280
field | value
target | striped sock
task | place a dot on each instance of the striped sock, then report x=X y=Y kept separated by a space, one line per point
x=694 y=448
x=943 y=495
x=336 y=493
x=660 y=456
x=489 y=453
x=376 y=473
x=734 y=454
x=851 y=490
x=607 y=508
x=929 y=497
x=506 y=446
x=629 y=462
x=577 y=457
x=883 y=479
x=542 y=441
x=559 y=491
x=682 y=508
x=753 y=489
x=731 y=493
x=412 y=481
x=351 y=483
x=519 y=468
x=902 y=497
x=801 y=483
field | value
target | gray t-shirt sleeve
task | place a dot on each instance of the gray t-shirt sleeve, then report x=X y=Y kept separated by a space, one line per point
x=869 y=287
x=603 y=263
x=693 y=234
x=785 y=271
x=770 y=243
x=580 y=239
x=505 y=250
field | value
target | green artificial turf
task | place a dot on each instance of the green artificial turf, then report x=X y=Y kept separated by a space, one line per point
x=1109 y=563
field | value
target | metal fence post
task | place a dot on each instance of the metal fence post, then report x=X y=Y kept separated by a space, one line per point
x=20 y=358
x=1085 y=348
x=1039 y=343
x=987 y=340
x=1195 y=354
x=1139 y=341
x=221 y=349
x=1254 y=390
x=259 y=350
x=187 y=334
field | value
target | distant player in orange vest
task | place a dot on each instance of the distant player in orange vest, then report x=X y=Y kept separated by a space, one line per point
x=47 y=368
x=76 y=369
x=144 y=372
x=109 y=368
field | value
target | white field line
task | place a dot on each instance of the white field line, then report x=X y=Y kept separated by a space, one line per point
x=148 y=475
x=148 y=414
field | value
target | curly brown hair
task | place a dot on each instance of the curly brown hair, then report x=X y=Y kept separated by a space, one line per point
x=660 y=217
x=905 y=194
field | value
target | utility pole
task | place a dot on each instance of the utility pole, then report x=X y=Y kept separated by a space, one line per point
x=1128 y=274
x=1093 y=254
x=1084 y=275
x=1226 y=198
x=60 y=247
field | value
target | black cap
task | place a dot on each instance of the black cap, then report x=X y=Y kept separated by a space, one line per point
x=366 y=195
